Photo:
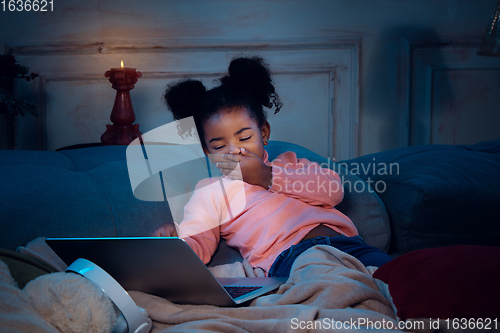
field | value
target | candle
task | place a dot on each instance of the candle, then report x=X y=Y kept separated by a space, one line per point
x=123 y=76
x=123 y=131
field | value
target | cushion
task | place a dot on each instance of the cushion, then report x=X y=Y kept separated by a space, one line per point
x=361 y=204
x=43 y=200
x=23 y=267
x=79 y=193
x=86 y=193
x=450 y=282
x=433 y=193
x=47 y=158
x=88 y=158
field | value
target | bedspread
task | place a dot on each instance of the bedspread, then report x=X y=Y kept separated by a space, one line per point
x=328 y=291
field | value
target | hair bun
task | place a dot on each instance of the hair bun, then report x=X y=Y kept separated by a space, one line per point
x=243 y=69
x=185 y=98
x=251 y=77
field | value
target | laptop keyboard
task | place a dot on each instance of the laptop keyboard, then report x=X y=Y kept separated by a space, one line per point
x=238 y=291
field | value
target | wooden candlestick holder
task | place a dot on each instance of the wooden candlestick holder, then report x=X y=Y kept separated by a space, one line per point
x=123 y=131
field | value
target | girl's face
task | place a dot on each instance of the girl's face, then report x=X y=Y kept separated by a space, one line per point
x=229 y=130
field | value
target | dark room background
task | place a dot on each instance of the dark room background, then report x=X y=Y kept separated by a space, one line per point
x=355 y=76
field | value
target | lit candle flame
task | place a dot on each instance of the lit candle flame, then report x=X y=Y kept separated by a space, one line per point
x=122 y=63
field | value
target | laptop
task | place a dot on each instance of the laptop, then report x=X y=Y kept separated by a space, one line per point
x=163 y=266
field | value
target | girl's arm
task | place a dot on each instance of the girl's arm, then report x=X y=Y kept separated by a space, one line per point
x=306 y=181
x=202 y=217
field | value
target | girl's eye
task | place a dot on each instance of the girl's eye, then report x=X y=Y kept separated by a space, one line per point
x=218 y=147
x=245 y=139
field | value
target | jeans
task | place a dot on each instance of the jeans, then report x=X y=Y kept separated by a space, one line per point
x=355 y=246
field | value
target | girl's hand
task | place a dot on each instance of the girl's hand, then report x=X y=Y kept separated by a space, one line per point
x=251 y=168
x=165 y=230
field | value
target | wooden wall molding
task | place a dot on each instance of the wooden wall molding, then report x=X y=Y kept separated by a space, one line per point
x=315 y=57
x=184 y=45
x=419 y=62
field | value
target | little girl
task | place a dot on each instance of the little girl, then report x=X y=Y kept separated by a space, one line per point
x=289 y=203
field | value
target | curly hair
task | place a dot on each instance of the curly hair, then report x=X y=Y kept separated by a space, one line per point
x=247 y=84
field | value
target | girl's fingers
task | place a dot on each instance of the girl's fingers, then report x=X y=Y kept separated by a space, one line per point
x=227 y=170
x=247 y=153
x=216 y=158
x=231 y=157
x=227 y=165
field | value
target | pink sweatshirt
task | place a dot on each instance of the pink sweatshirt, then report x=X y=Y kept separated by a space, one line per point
x=262 y=223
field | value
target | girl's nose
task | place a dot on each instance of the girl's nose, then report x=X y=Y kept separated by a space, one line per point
x=234 y=150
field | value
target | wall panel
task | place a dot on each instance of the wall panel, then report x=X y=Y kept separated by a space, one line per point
x=318 y=81
x=455 y=94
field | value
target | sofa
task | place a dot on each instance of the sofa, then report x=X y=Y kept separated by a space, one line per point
x=402 y=201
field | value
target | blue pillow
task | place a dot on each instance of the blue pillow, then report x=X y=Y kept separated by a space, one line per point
x=437 y=195
x=361 y=204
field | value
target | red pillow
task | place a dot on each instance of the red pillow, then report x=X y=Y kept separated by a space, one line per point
x=449 y=282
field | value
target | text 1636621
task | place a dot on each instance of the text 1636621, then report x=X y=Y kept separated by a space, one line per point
x=27 y=5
